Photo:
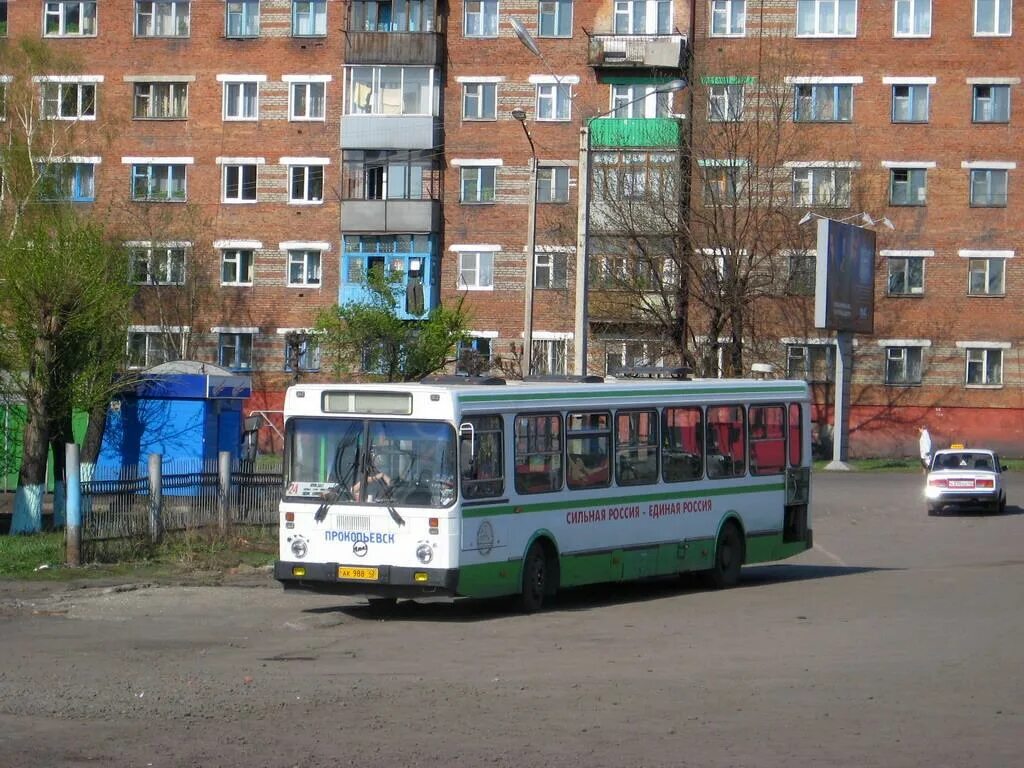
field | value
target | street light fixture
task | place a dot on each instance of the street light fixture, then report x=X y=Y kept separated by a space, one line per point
x=531 y=245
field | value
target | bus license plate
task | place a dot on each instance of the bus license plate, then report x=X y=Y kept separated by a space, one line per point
x=362 y=574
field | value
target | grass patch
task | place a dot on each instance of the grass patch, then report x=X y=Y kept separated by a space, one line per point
x=179 y=555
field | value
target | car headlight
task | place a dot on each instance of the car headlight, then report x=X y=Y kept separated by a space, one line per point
x=424 y=553
x=299 y=548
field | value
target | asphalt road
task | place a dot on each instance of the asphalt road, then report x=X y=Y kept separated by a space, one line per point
x=897 y=641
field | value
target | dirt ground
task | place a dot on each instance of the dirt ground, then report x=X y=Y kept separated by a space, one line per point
x=896 y=642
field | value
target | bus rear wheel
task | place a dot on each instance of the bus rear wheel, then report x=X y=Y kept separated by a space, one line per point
x=728 y=557
x=535 y=579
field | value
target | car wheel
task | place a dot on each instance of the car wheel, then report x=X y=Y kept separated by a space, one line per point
x=933 y=509
x=1002 y=506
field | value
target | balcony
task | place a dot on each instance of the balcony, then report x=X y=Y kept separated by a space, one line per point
x=637 y=51
x=649 y=132
x=391 y=216
x=418 y=290
x=389 y=47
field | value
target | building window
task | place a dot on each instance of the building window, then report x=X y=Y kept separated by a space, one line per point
x=826 y=187
x=161 y=101
x=988 y=187
x=309 y=18
x=390 y=90
x=993 y=17
x=728 y=18
x=70 y=18
x=241 y=100
x=69 y=182
x=643 y=17
x=478 y=184
x=389 y=16
x=910 y=103
x=158 y=265
x=800 y=276
x=725 y=103
x=986 y=277
x=243 y=18
x=239 y=183
x=555 y=18
x=304 y=267
x=236 y=266
x=721 y=184
x=907 y=186
x=635 y=100
x=234 y=350
x=301 y=352
x=68 y=101
x=554 y=102
x=906 y=276
x=481 y=18
x=3 y=18
x=549 y=357
x=913 y=18
x=820 y=103
x=306 y=101
x=991 y=104
x=903 y=365
x=305 y=184
x=473 y=356
x=811 y=362
x=479 y=101
x=549 y=270
x=149 y=348
x=553 y=184
x=984 y=366
x=476 y=270
x=158 y=182
x=826 y=18
x=161 y=18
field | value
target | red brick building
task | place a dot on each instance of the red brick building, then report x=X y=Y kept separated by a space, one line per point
x=260 y=155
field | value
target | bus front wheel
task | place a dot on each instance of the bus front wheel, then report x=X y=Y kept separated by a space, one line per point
x=728 y=557
x=535 y=579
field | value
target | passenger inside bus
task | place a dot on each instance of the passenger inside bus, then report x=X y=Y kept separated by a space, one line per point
x=582 y=476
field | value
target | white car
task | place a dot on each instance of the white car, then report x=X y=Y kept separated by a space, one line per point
x=965 y=477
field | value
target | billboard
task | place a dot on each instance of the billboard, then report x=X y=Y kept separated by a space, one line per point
x=844 y=282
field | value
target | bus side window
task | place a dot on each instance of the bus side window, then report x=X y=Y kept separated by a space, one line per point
x=727 y=456
x=796 y=435
x=588 y=444
x=767 y=439
x=538 y=457
x=682 y=444
x=636 y=447
x=482 y=462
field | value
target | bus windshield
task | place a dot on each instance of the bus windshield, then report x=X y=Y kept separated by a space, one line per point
x=372 y=461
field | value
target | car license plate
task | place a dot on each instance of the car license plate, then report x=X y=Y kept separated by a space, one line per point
x=361 y=574
x=961 y=483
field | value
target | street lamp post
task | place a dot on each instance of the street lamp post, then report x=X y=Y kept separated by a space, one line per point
x=531 y=245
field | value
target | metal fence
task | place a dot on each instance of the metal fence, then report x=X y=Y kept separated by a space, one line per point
x=136 y=501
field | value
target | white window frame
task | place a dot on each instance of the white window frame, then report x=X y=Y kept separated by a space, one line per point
x=987 y=265
x=728 y=18
x=364 y=98
x=54 y=92
x=822 y=93
x=239 y=166
x=916 y=180
x=60 y=11
x=549 y=353
x=725 y=102
x=310 y=265
x=154 y=98
x=147 y=9
x=156 y=167
x=900 y=262
x=977 y=356
x=309 y=18
x=309 y=350
x=1001 y=22
x=238 y=92
x=992 y=101
x=656 y=18
x=553 y=102
x=241 y=258
x=165 y=263
x=839 y=12
x=475 y=175
x=301 y=90
x=556 y=11
x=912 y=99
x=900 y=356
x=248 y=22
x=912 y=18
x=986 y=177
x=301 y=170
x=639 y=100
x=551 y=180
x=477 y=263
x=551 y=262
x=242 y=346
x=808 y=178
x=480 y=18
x=474 y=100
x=148 y=333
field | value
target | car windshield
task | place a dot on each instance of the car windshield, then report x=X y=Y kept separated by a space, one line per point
x=964 y=460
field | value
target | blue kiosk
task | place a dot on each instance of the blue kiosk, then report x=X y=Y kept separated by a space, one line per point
x=183 y=410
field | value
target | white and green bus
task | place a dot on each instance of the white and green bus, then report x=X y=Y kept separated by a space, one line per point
x=482 y=487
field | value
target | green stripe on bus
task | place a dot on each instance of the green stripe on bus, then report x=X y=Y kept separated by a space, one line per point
x=583 y=503
x=597 y=393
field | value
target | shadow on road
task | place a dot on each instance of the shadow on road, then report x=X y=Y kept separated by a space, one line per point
x=587 y=598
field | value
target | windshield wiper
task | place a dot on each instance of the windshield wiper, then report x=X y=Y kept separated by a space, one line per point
x=342 y=488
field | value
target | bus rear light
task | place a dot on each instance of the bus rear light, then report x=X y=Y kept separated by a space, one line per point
x=299 y=571
x=433 y=522
x=289 y=517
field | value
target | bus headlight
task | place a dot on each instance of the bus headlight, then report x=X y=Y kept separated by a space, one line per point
x=299 y=547
x=424 y=553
